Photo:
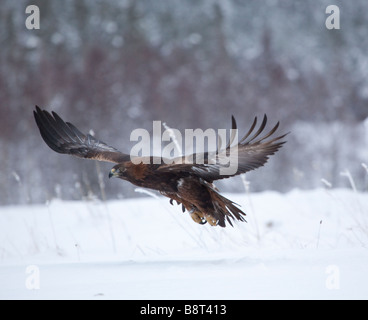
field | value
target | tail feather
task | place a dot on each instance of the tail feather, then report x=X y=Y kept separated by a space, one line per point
x=225 y=208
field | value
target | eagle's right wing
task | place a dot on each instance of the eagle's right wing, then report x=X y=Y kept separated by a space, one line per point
x=63 y=137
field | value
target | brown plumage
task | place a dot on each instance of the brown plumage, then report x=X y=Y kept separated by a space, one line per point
x=188 y=182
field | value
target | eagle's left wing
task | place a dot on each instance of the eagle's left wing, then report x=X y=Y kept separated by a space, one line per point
x=248 y=154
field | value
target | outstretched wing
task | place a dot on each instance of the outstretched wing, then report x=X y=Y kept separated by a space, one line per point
x=63 y=137
x=251 y=152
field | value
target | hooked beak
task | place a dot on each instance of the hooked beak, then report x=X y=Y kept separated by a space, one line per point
x=113 y=173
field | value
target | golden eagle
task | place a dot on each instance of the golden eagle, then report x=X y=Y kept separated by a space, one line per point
x=187 y=182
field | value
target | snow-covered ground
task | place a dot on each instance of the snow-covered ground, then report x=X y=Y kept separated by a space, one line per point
x=299 y=245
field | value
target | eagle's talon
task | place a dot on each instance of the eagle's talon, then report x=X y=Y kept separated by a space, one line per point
x=197 y=216
x=212 y=221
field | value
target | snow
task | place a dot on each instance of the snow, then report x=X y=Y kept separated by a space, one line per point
x=298 y=245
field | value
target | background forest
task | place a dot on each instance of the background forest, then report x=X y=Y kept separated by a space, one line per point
x=114 y=66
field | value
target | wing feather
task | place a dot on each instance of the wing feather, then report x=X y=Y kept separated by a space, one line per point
x=251 y=153
x=64 y=137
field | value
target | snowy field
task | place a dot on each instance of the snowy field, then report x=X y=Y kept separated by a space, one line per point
x=299 y=245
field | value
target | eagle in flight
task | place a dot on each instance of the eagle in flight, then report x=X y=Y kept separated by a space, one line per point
x=187 y=182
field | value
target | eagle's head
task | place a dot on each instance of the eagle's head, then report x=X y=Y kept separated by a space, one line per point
x=118 y=171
